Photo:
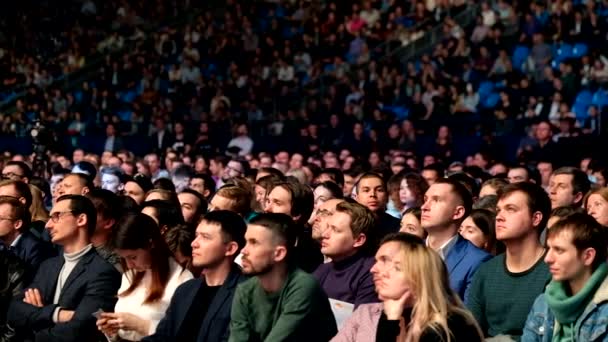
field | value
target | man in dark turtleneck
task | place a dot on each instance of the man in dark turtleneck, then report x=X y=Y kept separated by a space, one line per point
x=67 y=289
x=347 y=277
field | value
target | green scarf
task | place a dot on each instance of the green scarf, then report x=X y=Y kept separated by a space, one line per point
x=567 y=309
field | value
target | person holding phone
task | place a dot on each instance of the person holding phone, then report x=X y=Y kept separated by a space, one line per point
x=147 y=286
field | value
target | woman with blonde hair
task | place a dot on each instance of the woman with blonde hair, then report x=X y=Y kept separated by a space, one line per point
x=417 y=302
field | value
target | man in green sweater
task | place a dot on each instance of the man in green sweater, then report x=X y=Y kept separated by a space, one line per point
x=280 y=302
x=574 y=306
x=504 y=288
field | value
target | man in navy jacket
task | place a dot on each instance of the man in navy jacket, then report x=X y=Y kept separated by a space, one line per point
x=446 y=204
x=200 y=308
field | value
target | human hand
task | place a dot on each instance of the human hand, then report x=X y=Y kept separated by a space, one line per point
x=393 y=308
x=126 y=321
x=65 y=315
x=33 y=297
x=105 y=327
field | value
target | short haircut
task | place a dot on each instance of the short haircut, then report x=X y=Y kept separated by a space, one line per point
x=232 y=226
x=536 y=198
x=18 y=211
x=25 y=169
x=368 y=175
x=302 y=199
x=333 y=188
x=565 y=211
x=362 y=220
x=580 y=180
x=335 y=174
x=202 y=207
x=82 y=205
x=106 y=203
x=208 y=182
x=586 y=233
x=437 y=167
x=240 y=197
x=284 y=230
x=469 y=182
x=461 y=192
x=21 y=188
x=268 y=182
x=84 y=179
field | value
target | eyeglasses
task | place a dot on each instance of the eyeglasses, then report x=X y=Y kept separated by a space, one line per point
x=56 y=215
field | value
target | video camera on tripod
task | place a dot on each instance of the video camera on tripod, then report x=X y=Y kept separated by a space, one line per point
x=41 y=139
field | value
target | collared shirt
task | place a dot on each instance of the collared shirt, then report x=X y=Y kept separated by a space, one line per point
x=14 y=243
x=445 y=248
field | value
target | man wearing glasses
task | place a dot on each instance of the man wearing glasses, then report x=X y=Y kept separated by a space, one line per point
x=16 y=237
x=17 y=170
x=69 y=288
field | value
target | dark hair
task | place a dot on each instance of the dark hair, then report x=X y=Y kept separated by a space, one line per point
x=485 y=220
x=84 y=179
x=140 y=231
x=168 y=214
x=496 y=183
x=202 y=207
x=208 y=182
x=335 y=174
x=416 y=211
x=362 y=220
x=487 y=202
x=179 y=239
x=21 y=188
x=367 y=175
x=282 y=227
x=41 y=184
x=19 y=211
x=437 y=167
x=231 y=224
x=82 y=205
x=586 y=233
x=25 y=169
x=536 y=198
x=580 y=180
x=565 y=211
x=469 y=182
x=127 y=204
x=417 y=185
x=272 y=171
x=334 y=189
x=302 y=199
x=106 y=203
x=403 y=238
x=461 y=192
x=164 y=184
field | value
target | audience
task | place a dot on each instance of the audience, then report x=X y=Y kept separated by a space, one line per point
x=295 y=305
x=68 y=289
x=151 y=277
x=417 y=300
x=522 y=213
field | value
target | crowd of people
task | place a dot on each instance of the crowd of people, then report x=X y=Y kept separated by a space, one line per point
x=262 y=173
x=290 y=252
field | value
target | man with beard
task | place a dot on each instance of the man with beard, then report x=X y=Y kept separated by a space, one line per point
x=281 y=302
x=200 y=308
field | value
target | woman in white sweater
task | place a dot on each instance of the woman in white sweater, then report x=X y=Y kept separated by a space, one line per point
x=148 y=284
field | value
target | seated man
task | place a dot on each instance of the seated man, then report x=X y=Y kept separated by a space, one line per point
x=11 y=284
x=280 y=302
x=574 y=305
x=15 y=236
x=200 y=308
x=347 y=277
x=68 y=289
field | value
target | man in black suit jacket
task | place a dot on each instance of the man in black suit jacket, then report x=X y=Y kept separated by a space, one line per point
x=16 y=237
x=162 y=138
x=200 y=308
x=67 y=289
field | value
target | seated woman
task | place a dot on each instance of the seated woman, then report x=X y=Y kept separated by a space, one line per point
x=417 y=301
x=151 y=278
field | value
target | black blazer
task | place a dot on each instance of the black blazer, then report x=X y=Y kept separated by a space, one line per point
x=91 y=285
x=214 y=327
x=33 y=251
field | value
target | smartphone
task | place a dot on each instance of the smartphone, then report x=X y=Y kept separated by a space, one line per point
x=97 y=314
